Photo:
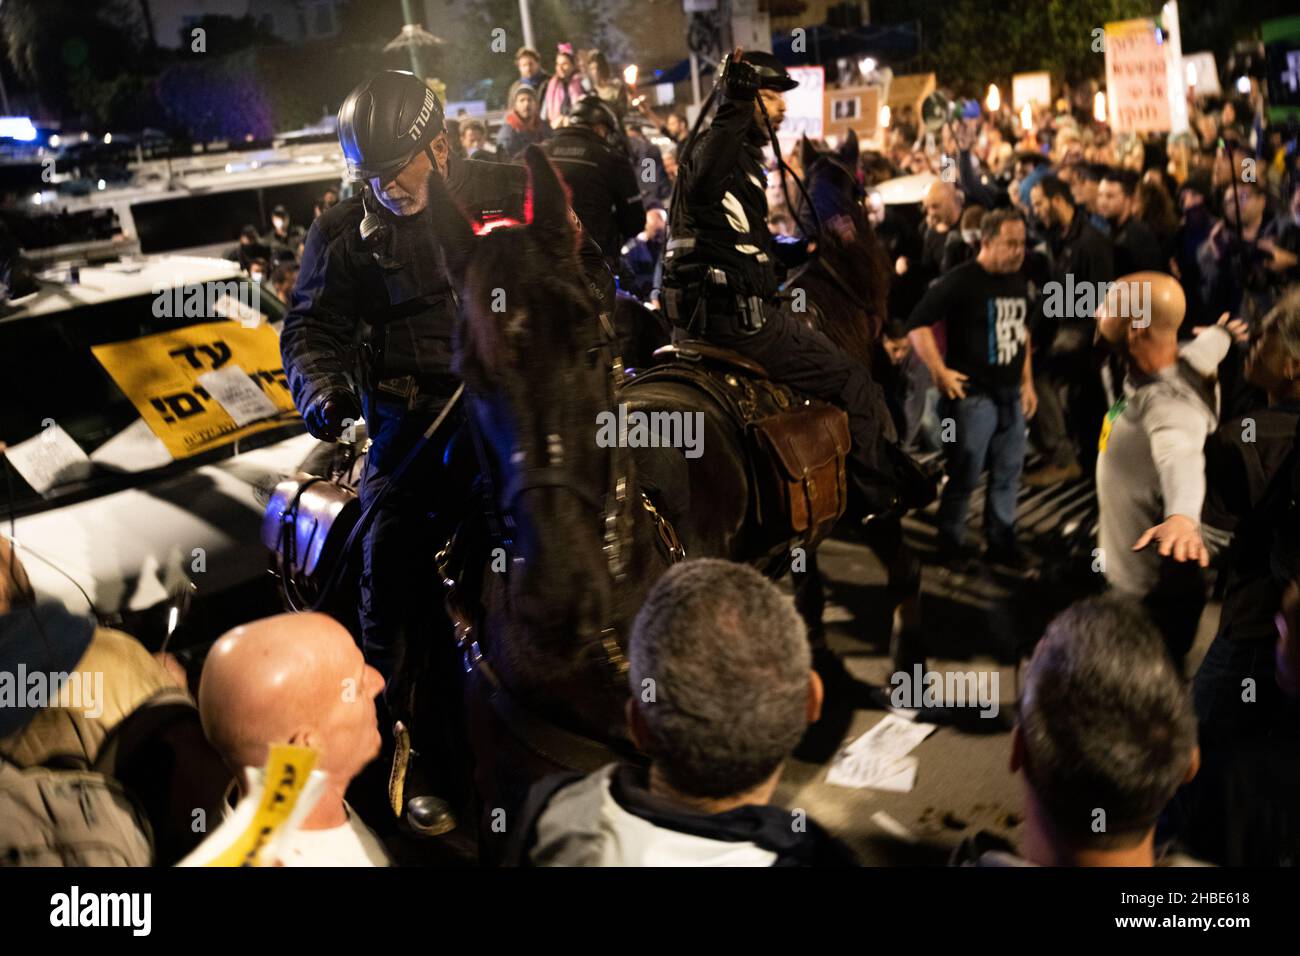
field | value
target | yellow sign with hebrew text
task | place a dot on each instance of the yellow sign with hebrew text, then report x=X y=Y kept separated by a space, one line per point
x=169 y=379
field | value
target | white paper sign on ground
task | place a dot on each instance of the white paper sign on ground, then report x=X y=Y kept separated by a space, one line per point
x=879 y=758
x=857 y=770
x=49 y=459
x=892 y=737
x=238 y=395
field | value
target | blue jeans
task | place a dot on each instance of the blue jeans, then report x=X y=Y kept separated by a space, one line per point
x=988 y=425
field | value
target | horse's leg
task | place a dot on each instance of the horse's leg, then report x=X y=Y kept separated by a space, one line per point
x=903 y=567
x=810 y=598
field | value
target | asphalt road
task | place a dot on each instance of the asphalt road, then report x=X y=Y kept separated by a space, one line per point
x=985 y=619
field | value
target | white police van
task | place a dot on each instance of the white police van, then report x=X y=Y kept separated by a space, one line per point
x=133 y=533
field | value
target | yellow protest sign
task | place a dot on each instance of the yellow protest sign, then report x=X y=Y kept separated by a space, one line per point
x=288 y=768
x=161 y=374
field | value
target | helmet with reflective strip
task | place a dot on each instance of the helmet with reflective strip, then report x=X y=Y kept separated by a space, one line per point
x=385 y=122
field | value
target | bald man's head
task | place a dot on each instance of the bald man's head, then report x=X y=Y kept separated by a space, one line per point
x=1142 y=305
x=942 y=204
x=293 y=678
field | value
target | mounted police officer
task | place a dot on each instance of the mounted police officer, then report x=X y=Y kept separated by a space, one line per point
x=371 y=328
x=593 y=159
x=720 y=280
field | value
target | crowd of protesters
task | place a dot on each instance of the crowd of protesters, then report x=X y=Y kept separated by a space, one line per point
x=1182 y=411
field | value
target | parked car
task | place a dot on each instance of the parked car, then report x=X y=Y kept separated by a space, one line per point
x=138 y=534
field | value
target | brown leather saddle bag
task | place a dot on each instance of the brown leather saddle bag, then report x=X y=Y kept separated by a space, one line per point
x=797 y=449
x=799 y=459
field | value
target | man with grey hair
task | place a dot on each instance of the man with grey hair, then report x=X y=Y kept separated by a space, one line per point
x=722 y=689
x=1104 y=737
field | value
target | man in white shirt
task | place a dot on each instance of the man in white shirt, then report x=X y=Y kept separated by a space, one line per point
x=298 y=679
x=1151 y=460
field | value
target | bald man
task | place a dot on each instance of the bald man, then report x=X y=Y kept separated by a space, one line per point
x=1151 y=460
x=298 y=679
x=942 y=204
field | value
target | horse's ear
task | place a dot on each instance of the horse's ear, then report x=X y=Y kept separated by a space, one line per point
x=849 y=151
x=807 y=152
x=549 y=203
x=453 y=232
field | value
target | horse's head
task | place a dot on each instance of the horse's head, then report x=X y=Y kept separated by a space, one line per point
x=529 y=351
x=847 y=242
x=833 y=187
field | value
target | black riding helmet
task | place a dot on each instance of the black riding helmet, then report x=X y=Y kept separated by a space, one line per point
x=591 y=110
x=385 y=122
x=772 y=74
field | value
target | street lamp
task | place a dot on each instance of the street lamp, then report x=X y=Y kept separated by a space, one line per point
x=1099 y=107
x=994 y=99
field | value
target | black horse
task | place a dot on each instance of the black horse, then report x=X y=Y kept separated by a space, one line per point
x=843 y=293
x=583 y=542
x=578 y=521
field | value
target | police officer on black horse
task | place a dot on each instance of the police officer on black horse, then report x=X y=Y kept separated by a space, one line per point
x=720 y=281
x=370 y=332
x=591 y=154
x=720 y=284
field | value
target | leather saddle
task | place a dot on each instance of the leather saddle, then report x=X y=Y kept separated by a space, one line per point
x=796 y=447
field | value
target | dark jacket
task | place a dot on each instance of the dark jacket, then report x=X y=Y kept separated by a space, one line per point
x=1137 y=249
x=1083 y=251
x=1238 y=474
x=604 y=189
x=651 y=177
x=718 y=214
x=344 y=298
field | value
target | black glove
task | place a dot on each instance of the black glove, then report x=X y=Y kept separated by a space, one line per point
x=739 y=79
x=329 y=414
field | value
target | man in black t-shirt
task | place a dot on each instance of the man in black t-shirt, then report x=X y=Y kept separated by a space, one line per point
x=986 y=381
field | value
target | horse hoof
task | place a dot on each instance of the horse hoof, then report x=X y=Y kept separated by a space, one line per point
x=430 y=816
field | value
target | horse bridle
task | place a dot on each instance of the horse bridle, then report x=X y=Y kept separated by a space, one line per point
x=551 y=475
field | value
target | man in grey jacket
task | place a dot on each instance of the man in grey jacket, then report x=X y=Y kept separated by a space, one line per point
x=1151 y=460
x=722 y=690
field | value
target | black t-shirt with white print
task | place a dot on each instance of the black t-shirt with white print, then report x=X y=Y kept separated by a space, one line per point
x=987 y=323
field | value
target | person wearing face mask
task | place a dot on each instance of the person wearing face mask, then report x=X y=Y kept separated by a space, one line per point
x=372 y=273
x=283 y=236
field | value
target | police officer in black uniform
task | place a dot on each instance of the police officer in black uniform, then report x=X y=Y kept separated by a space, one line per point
x=593 y=159
x=720 y=281
x=371 y=327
